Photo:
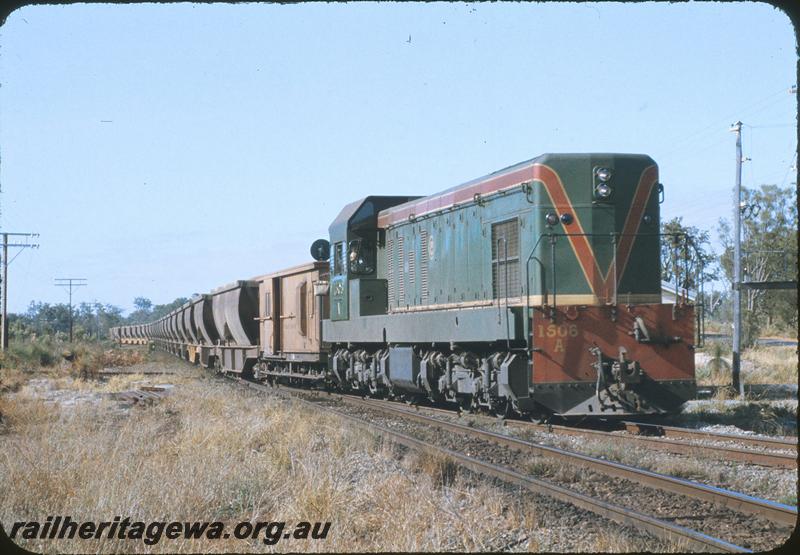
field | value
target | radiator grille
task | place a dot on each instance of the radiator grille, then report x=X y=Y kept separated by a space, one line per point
x=423 y=266
x=390 y=269
x=505 y=259
x=412 y=275
x=400 y=274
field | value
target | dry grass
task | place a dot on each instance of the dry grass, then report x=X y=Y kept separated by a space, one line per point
x=70 y=366
x=760 y=365
x=80 y=359
x=11 y=379
x=545 y=468
x=672 y=466
x=771 y=365
x=690 y=469
x=214 y=451
x=763 y=417
x=30 y=355
x=87 y=360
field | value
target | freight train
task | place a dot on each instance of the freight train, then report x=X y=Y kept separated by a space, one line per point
x=535 y=289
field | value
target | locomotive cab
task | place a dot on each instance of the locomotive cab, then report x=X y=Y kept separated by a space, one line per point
x=356 y=288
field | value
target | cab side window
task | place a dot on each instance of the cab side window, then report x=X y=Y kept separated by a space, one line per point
x=338 y=259
x=362 y=257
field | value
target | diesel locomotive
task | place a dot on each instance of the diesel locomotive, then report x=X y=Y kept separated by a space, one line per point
x=535 y=289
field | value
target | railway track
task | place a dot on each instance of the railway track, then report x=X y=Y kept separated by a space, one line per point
x=689 y=433
x=659 y=527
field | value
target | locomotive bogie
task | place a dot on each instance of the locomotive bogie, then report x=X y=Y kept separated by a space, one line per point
x=439 y=374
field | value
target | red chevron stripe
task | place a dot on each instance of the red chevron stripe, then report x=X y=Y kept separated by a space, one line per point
x=633 y=221
x=600 y=284
x=579 y=243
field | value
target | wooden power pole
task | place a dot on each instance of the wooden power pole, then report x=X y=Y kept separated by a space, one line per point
x=70 y=282
x=27 y=244
x=737 y=265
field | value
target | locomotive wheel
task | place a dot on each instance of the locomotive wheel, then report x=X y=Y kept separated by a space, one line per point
x=537 y=418
x=503 y=408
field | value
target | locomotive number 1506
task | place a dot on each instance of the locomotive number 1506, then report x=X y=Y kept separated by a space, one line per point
x=557 y=332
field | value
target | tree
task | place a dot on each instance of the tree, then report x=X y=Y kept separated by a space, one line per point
x=91 y=320
x=143 y=312
x=161 y=310
x=142 y=303
x=108 y=316
x=686 y=251
x=769 y=253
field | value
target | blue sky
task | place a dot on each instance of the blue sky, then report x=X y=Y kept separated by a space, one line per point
x=165 y=149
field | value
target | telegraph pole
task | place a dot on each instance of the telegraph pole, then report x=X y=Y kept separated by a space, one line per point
x=737 y=265
x=27 y=244
x=70 y=282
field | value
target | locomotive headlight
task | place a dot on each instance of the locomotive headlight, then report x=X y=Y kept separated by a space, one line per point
x=602 y=191
x=603 y=174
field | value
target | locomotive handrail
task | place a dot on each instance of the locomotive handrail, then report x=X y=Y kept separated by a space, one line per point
x=527 y=275
x=505 y=287
x=543 y=274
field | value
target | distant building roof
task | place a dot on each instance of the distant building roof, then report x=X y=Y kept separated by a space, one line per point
x=668 y=293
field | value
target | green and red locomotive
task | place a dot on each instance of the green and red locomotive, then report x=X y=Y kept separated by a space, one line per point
x=535 y=289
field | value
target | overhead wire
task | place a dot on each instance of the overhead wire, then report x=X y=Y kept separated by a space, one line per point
x=680 y=143
x=792 y=164
x=749 y=144
x=772 y=125
x=15 y=256
x=751 y=109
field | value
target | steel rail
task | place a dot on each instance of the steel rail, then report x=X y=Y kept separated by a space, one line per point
x=771 y=510
x=689 y=433
x=726 y=453
x=661 y=529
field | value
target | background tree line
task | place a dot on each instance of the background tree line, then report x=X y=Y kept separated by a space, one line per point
x=769 y=253
x=90 y=320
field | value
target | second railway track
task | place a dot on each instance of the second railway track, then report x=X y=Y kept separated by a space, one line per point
x=673 y=432
x=780 y=454
x=763 y=451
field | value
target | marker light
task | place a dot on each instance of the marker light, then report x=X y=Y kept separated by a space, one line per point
x=603 y=174
x=602 y=191
x=551 y=218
